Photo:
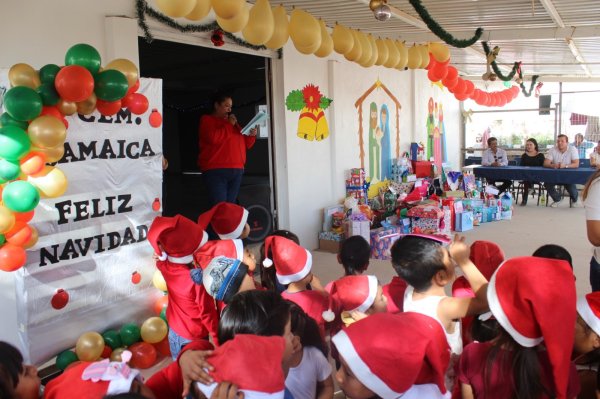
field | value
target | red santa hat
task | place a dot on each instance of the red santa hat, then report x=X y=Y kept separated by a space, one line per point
x=588 y=307
x=227 y=220
x=251 y=362
x=534 y=300
x=392 y=354
x=292 y=262
x=351 y=293
x=487 y=256
x=178 y=236
x=93 y=380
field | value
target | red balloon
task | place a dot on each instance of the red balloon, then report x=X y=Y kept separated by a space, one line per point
x=163 y=347
x=143 y=355
x=137 y=103
x=155 y=118
x=470 y=87
x=432 y=62
x=106 y=352
x=24 y=216
x=449 y=83
x=108 y=108
x=432 y=76
x=460 y=87
x=452 y=73
x=51 y=111
x=11 y=257
x=65 y=122
x=441 y=71
x=461 y=96
x=74 y=83
x=134 y=88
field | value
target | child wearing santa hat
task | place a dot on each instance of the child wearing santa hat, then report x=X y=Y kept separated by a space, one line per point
x=293 y=265
x=175 y=239
x=533 y=300
x=408 y=363
x=229 y=221
x=586 y=351
x=268 y=279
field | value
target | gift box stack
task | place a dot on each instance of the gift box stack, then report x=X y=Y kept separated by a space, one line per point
x=356 y=185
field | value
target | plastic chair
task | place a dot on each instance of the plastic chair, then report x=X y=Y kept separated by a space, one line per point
x=536 y=189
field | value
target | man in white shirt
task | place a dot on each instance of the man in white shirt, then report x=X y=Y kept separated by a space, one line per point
x=495 y=156
x=562 y=156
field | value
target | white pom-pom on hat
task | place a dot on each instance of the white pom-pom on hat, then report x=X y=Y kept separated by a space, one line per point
x=267 y=262
x=328 y=315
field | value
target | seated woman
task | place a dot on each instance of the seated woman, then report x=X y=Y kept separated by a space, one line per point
x=531 y=157
x=595 y=157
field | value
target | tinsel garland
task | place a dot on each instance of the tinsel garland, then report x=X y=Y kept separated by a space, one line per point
x=497 y=71
x=440 y=32
x=142 y=9
x=534 y=79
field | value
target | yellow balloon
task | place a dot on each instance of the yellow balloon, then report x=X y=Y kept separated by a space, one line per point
x=382 y=52
x=7 y=219
x=356 y=50
x=228 y=9
x=89 y=346
x=23 y=75
x=115 y=355
x=403 y=52
x=127 y=68
x=281 y=32
x=154 y=330
x=424 y=50
x=51 y=182
x=236 y=23
x=366 y=49
x=87 y=106
x=393 y=55
x=343 y=40
x=305 y=31
x=200 y=11
x=326 y=42
x=374 y=55
x=34 y=238
x=176 y=8
x=414 y=57
x=440 y=51
x=261 y=24
x=47 y=131
x=53 y=154
x=66 y=107
x=159 y=281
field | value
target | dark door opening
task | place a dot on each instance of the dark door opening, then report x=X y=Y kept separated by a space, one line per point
x=190 y=74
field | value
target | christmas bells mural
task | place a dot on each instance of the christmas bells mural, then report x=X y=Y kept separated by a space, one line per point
x=312 y=123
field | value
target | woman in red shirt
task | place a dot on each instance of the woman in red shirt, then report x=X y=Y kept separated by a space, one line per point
x=222 y=153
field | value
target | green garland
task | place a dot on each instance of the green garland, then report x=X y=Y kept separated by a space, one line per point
x=497 y=71
x=143 y=9
x=439 y=31
x=534 y=79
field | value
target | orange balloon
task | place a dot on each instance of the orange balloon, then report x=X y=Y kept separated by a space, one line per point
x=24 y=216
x=160 y=303
x=33 y=162
x=163 y=347
x=34 y=238
x=19 y=235
x=11 y=257
x=143 y=355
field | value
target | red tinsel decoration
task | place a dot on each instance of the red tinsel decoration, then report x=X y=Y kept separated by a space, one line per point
x=217 y=38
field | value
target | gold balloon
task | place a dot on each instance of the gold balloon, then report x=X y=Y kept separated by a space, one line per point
x=382 y=52
x=66 y=107
x=374 y=54
x=305 y=31
x=424 y=50
x=326 y=42
x=127 y=68
x=261 y=24
x=403 y=52
x=33 y=239
x=47 y=131
x=281 y=32
x=115 y=355
x=53 y=154
x=89 y=346
x=87 y=106
x=236 y=23
x=228 y=9
x=365 y=45
x=159 y=281
x=440 y=51
x=176 y=8
x=23 y=75
x=7 y=219
x=393 y=55
x=356 y=50
x=51 y=182
x=200 y=11
x=343 y=40
x=414 y=57
x=154 y=330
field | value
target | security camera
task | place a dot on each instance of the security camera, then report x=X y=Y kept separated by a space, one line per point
x=382 y=13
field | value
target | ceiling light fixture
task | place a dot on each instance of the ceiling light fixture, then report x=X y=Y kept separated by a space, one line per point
x=381 y=10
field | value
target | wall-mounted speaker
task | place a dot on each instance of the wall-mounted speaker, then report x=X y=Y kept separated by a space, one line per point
x=545 y=102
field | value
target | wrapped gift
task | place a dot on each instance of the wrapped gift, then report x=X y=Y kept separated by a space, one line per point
x=464 y=221
x=506 y=201
x=330 y=241
x=449 y=202
x=506 y=215
x=382 y=240
x=409 y=178
x=328 y=216
x=422 y=168
x=448 y=223
x=454 y=194
x=357 y=228
x=356 y=185
x=337 y=222
x=426 y=219
x=405 y=225
x=469 y=183
x=358 y=192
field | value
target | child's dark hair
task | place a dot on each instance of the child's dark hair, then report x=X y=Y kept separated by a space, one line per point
x=254 y=312
x=218 y=97
x=553 y=251
x=268 y=279
x=307 y=329
x=11 y=367
x=416 y=260
x=354 y=255
x=524 y=363
x=484 y=330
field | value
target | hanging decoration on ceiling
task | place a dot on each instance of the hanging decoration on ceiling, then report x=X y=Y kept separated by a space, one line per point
x=217 y=38
x=440 y=32
x=312 y=124
x=516 y=69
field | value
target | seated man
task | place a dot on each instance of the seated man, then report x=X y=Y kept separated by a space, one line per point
x=581 y=145
x=562 y=156
x=495 y=156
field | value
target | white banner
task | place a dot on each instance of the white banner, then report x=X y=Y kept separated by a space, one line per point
x=93 y=238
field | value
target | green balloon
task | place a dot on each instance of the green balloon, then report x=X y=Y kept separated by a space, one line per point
x=14 y=143
x=20 y=196
x=84 y=55
x=65 y=358
x=163 y=314
x=112 y=338
x=110 y=85
x=130 y=334
x=6 y=119
x=48 y=94
x=9 y=170
x=22 y=103
x=48 y=73
x=2 y=239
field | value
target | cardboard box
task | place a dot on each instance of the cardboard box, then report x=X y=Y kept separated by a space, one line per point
x=329 y=245
x=357 y=228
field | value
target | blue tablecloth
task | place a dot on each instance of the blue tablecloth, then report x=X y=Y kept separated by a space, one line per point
x=535 y=174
